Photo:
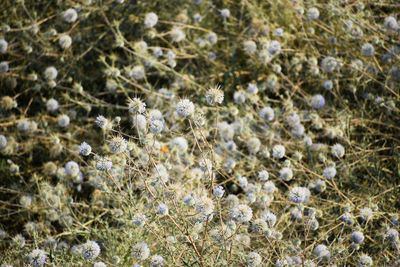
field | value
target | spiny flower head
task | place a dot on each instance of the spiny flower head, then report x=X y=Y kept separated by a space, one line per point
x=140 y=251
x=37 y=258
x=214 y=96
x=185 y=108
x=118 y=145
x=90 y=250
x=136 y=105
x=299 y=194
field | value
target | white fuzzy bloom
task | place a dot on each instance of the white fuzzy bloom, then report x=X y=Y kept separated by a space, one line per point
x=204 y=206
x=252 y=88
x=286 y=174
x=65 y=41
x=150 y=20
x=177 y=35
x=52 y=105
x=85 y=149
x=253 y=259
x=63 y=120
x=337 y=151
x=72 y=168
x=249 y=47
x=242 y=213
x=214 y=96
x=162 y=209
x=118 y=145
x=299 y=194
x=70 y=15
x=278 y=151
x=90 y=250
x=185 y=108
x=274 y=47
x=225 y=13
x=181 y=143
x=138 y=72
x=50 y=73
x=263 y=175
x=312 y=13
x=37 y=258
x=329 y=172
x=3 y=46
x=267 y=114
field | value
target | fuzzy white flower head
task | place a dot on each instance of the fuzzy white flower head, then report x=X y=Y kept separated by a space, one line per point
x=274 y=47
x=253 y=259
x=136 y=105
x=137 y=72
x=156 y=126
x=204 y=206
x=72 y=168
x=3 y=46
x=329 y=172
x=286 y=174
x=156 y=261
x=90 y=250
x=63 y=120
x=181 y=144
x=225 y=13
x=70 y=15
x=185 y=108
x=263 y=175
x=218 y=191
x=177 y=35
x=118 y=145
x=65 y=41
x=212 y=38
x=100 y=264
x=278 y=151
x=249 y=47
x=103 y=164
x=150 y=20
x=140 y=251
x=337 y=151
x=37 y=258
x=50 y=73
x=299 y=194
x=242 y=213
x=52 y=105
x=252 y=88
x=267 y=114
x=214 y=96
x=367 y=50
x=312 y=13
x=390 y=23
x=139 y=219
x=365 y=260
x=85 y=149
x=329 y=64
x=162 y=209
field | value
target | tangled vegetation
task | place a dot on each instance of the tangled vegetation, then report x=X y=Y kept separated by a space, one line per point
x=199 y=133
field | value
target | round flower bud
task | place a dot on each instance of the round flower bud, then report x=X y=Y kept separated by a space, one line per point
x=118 y=145
x=367 y=50
x=85 y=149
x=317 y=101
x=329 y=172
x=140 y=251
x=204 y=206
x=37 y=258
x=249 y=47
x=278 y=151
x=156 y=126
x=299 y=194
x=225 y=13
x=156 y=261
x=218 y=191
x=65 y=41
x=214 y=96
x=253 y=259
x=337 y=151
x=286 y=174
x=242 y=213
x=72 y=168
x=150 y=20
x=50 y=73
x=357 y=237
x=162 y=209
x=90 y=250
x=365 y=260
x=103 y=164
x=52 y=105
x=136 y=105
x=185 y=108
x=267 y=114
x=3 y=46
x=70 y=15
x=312 y=13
